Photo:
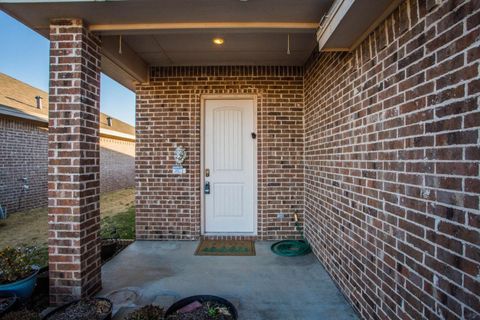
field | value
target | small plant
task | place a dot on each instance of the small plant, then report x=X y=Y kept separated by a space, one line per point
x=22 y=315
x=149 y=312
x=119 y=226
x=15 y=265
x=37 y=255
x=212 y=312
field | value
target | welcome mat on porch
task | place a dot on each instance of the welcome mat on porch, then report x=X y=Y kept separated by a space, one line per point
x=225 y=248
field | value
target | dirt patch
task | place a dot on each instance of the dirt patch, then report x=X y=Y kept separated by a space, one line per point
x=25 y=228
x=30 y=228
x=112 y=203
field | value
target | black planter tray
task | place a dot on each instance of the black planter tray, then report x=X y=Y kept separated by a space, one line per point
x=201 y=298
x=12 y=303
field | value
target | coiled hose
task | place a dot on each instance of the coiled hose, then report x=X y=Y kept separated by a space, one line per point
x=292 y=248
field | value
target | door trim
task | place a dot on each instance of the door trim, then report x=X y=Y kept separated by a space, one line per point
x=203 y=99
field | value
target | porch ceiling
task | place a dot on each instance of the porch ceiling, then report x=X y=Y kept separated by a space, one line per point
x=241 y=47
x=180 y=32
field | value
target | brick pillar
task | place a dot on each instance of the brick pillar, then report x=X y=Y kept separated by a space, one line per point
x=73 y=162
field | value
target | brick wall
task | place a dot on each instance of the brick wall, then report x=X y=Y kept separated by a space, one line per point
x=117 y=164
x=23 y=152
x=23 y=146
x=168 y=114
x=73 y=163
x=392 y=164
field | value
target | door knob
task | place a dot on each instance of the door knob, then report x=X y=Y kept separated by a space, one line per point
x=207 y=172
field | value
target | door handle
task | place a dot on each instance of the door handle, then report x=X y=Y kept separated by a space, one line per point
x=207 y=188
x=207 y=172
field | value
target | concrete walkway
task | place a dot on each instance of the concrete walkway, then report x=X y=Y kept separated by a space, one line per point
x=262 y=287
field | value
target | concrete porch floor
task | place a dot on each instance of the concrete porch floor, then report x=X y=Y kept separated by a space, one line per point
x=264 y=286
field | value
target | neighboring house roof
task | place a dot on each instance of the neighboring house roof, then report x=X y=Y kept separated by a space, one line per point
x=19 y=100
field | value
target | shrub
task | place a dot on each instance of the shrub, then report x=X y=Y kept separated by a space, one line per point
x=37 y=255
x=14 y=265
x=119 y=226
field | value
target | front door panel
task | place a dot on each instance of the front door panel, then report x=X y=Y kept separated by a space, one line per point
x=229 y=164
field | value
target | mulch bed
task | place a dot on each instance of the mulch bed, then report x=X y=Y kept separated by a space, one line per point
x=90 y=309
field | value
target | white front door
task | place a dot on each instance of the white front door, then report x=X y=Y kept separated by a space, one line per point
x=229 y=166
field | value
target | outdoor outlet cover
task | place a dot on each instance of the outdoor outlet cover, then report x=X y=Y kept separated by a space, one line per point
x=280 y=215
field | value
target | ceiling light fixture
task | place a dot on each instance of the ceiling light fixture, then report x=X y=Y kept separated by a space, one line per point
x=218 y=41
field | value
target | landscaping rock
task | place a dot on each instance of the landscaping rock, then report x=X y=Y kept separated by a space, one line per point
x=123 y=312
x=125 y=297
x=190 y=307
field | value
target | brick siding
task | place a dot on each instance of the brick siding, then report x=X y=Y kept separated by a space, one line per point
x=24 y=150
x=117 y=164
x=168 y=114
x=23 y=153
x=392 y=164
x=73 y=164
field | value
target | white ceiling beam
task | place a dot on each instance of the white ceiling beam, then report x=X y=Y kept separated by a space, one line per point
x=342 y=10
x=121 y=60
x=202 y=25
x=331 y=20
x=393 y=5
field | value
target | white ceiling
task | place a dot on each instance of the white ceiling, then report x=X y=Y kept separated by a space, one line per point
x=239 y=48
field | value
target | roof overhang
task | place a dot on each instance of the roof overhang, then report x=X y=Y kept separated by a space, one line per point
x=137 y=34
x=8 y=112
x=42 y=121
x=349 y=22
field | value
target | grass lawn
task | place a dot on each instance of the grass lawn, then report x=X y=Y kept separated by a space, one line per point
x=30 y=228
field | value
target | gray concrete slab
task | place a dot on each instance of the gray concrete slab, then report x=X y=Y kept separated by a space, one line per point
x=264 y=286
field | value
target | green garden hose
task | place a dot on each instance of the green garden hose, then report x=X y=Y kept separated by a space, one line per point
x=292 y=248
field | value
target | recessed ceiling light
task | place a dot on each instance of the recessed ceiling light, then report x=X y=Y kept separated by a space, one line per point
x=218 y=41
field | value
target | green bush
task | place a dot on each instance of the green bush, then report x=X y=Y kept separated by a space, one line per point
x=119 y=226
x=37 y=255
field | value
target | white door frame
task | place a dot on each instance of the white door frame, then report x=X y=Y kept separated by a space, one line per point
x=203 y=99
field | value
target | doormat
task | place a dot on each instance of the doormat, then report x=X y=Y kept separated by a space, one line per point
x=225 y=248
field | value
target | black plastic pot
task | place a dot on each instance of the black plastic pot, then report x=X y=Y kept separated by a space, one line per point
x=42 y=281
x=108 y=315
x=109 y=248
x=202 y=298
x=10 y=306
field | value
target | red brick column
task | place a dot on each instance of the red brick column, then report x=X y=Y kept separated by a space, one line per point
x=73 y=162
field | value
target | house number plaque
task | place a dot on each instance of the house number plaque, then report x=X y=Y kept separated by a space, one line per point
x=180 y=156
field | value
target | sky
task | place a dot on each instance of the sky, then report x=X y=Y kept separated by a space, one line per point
x=24 y=56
